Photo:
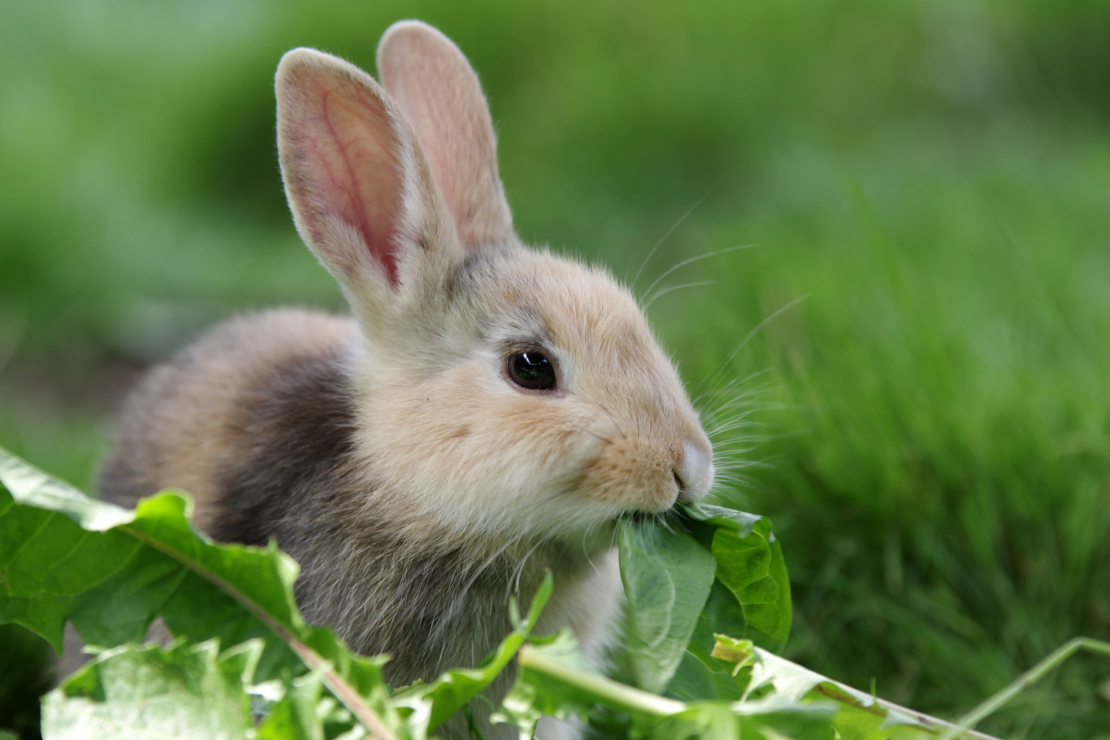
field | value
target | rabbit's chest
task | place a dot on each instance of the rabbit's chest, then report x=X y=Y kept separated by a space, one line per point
x=437 y=610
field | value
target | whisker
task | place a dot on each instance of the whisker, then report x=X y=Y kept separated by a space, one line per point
x=670 y=230
x=734 y=422
x=683 y=263
x=728 y=386
x=732 y=411
x=520 y=568
x=592 y=433
x=612 y=419
x=736 y=350
x=664 y=291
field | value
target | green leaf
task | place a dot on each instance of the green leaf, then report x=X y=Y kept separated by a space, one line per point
x=111 y=572
x=667 y=578
x=46 y=559
x=751 y=566
x=858 y=715
x=746 y=594
x=707 y=721
x=111 y=584
x=700 y=675
x=767 y=721
x=297 y=715
x=719 y=517
x=556 y=679
x=133 y=692
x=432 y=704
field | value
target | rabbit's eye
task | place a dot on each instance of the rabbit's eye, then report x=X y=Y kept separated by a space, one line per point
x=532 y=370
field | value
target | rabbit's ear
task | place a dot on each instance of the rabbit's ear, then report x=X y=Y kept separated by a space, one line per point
x=358 y=183
x=438 y=91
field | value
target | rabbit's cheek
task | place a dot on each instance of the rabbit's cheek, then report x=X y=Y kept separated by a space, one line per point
x=635 y=474
x=580 y=446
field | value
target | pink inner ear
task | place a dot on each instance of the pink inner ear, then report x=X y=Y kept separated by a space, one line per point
x=362 y=174
x=348 y=178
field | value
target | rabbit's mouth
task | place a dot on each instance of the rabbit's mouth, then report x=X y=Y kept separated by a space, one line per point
x=639 y=516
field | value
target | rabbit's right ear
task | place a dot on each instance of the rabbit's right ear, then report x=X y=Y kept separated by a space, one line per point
x=438 y=91
x=358 y=183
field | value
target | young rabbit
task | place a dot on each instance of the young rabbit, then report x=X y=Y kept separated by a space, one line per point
x=488 y=412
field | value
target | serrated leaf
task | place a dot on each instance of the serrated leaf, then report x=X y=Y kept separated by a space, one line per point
x=297 y=715
x=44 y=557
x=858 y=715
x=140 y=693
x=111 y=571
x=667 y=578
x=112 y=581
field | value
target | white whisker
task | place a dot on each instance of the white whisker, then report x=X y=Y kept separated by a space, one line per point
x=683 y=263
x=752 y=333
x=664 y=291
x=670 y=230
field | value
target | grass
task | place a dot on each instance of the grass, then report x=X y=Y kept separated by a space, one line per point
x=936 y=470
x=933 y=418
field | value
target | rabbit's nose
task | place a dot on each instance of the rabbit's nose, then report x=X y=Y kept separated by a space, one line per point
x=694 y=473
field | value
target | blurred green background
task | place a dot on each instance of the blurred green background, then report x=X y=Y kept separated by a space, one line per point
x=929 y=427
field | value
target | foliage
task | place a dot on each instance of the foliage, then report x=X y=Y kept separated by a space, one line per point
x=712 y=569
x=188 y=691
x=244 y=661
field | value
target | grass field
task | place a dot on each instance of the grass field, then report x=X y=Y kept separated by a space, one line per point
x=930 y=181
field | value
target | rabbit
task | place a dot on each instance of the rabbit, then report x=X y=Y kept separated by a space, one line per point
x=487 y=413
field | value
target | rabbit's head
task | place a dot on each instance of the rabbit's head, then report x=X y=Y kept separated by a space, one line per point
x=501 y=392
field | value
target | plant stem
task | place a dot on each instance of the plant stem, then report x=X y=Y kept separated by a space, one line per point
x=869 y=703
x=600 y=686
x=336 y=683
x=1026 y=680
x=881 y=707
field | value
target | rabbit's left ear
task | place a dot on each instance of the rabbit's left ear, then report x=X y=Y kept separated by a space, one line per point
x=438 y=92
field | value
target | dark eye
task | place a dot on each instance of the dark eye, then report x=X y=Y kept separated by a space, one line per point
x=532 y=370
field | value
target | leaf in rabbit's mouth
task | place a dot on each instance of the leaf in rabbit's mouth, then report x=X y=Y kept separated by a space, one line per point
x=658 y=517
x=688 y=571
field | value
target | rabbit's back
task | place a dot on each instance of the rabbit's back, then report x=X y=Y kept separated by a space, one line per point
x=259 y=396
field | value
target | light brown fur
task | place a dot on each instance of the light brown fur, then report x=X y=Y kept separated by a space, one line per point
x=392 y=455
